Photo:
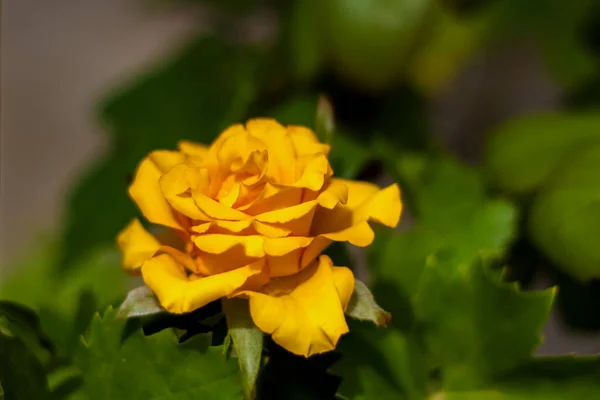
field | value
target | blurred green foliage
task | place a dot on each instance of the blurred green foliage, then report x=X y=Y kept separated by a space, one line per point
x=459 y=330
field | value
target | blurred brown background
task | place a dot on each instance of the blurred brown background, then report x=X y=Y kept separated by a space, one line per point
x=57 y=58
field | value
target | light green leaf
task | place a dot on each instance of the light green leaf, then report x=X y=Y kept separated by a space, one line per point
x=558 y=378
x=565 y=215
x=247 y=342
x=140 y=302
x=362 y=306
x=98 y=281
x=200 y=90
x=521 y=154
x=153 y=367
x=453 y=213
x=477 y=328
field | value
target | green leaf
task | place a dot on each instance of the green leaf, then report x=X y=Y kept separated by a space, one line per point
x=565 y=215
x=522 y=153
x=452 y=41
x=380 y=364
x=23 y=323
x=477 y=327
x=153 y=367
x=453 y=213
x=362 y=306
x=556 y=378
x=247 y=342
x=65 y=303
x=140 y=302
x=202 y=89
x=21 y=373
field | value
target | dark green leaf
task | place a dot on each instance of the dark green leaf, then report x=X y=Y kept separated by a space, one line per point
x=247 y=342
x=380 y=364
x=477 y=327
x=153 y=367
x=194 y=95
x=305 y=47
x=25 y=325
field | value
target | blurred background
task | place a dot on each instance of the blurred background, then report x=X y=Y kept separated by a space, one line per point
x=88 y=87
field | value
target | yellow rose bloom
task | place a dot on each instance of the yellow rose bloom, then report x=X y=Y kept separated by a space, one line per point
x=254 y=211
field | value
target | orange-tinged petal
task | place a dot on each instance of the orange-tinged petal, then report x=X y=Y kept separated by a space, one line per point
x=286 y=264
x=284 y=245
x=314 y=169
x=221 y=226
x=303 y=312
x=219 y=243
x=146 y=192
x=176 y=186
x=270 y=230
x=296 y=219
x=274 y=197
x=313 y=250
x=359 y=234
x=137 y=245
x=181 y=258
x=287 y=214
x=217 y=210
x=335 y=193
x=178 y=293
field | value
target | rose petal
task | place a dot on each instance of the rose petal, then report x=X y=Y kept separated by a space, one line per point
x=335 y=193
x=306 y=142
x=146 y=192
x=178 y=293
x=176 y=186
x=279 y=144
x=296 y=219
x=252 y=246
x=373 y=203
x=216 y=210
x=303 y=312
x=195 y=150
x=349 y=222
x=137 y=245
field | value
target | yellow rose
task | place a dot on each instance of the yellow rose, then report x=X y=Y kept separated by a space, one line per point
x=254 y=212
